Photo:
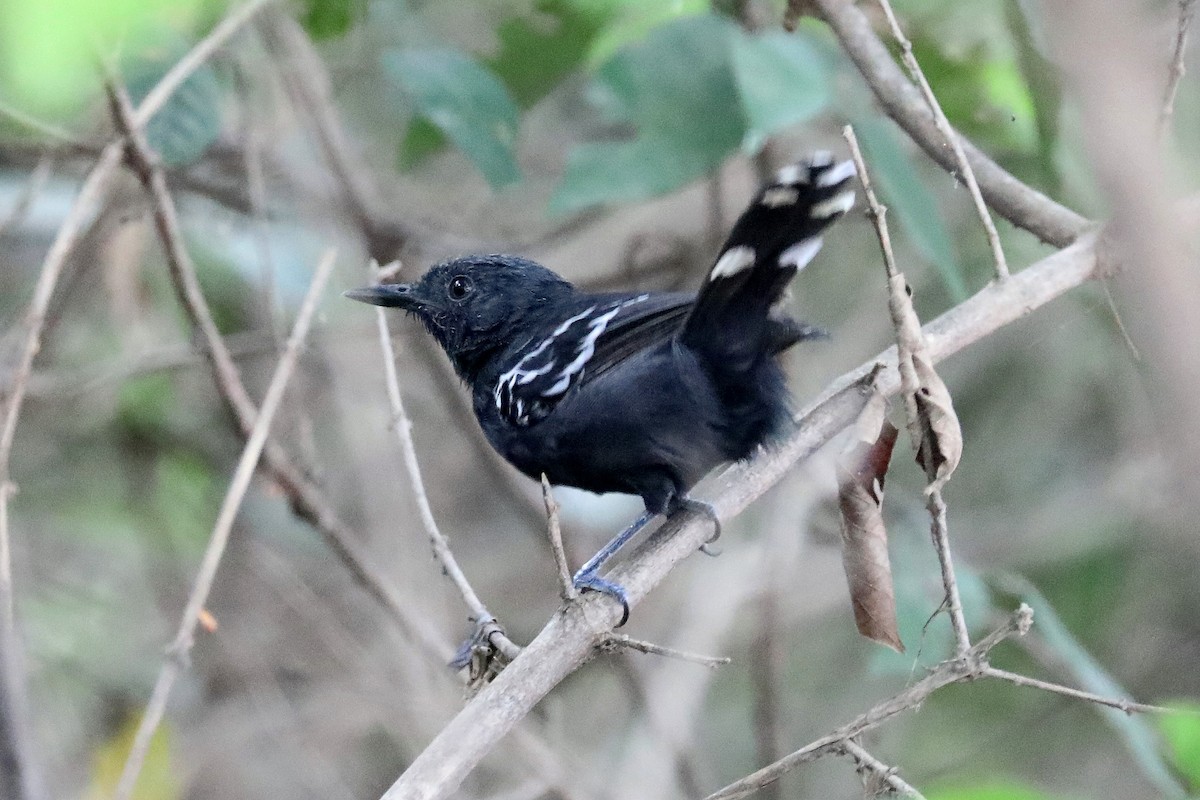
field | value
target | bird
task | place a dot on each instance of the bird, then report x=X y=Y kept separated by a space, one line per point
x=640 y=393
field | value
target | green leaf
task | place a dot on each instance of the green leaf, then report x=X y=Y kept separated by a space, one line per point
x=677 y=89
x=781 y=79
x=466 y=102
x=1182 y=734
x=1139 y=738
x=327 y=19
x=537 y=50
x=631 y=21
x=48 y=47
x=190 y=121
x=607 y=172
x=991 y=791
x=144 y=406
x=907 y=197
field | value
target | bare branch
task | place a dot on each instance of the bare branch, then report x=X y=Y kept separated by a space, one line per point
x=1121 y=704
x=157 y=97
x=90 y=197
x=1021 y=205
x=566 y=586
x=882 y=772
x=964 y=668
x=1177 y=69
x=307 y=499
x=441 y=546
x=620 y=640
x=951 y=136
x=177 y=654
x=568 y=640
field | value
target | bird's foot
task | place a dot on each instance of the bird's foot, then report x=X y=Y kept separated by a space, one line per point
x=707 y=510
x=591 y=582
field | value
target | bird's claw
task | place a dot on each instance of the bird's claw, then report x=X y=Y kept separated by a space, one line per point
x=707 y=510
x=591 y=582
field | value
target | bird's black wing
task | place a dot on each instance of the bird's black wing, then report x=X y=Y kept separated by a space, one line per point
x=606 y=331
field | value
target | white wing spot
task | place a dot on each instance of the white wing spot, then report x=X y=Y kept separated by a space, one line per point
x=588 y=347
x=733 y=261
x=836 y=174
x=519 y=376
x=778 y=196
x=799 y=254
x=838 y=204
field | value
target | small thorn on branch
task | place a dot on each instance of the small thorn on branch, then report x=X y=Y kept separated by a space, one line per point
x=617 y=641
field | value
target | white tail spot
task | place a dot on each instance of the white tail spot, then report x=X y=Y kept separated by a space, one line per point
x=836 y=174
x=838 y=204
x=821 y=158
x=778 y=196
x=733 y=261
x=799 y=254
x=791 y=175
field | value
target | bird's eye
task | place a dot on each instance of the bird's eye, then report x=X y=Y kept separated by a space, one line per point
x=460 y=286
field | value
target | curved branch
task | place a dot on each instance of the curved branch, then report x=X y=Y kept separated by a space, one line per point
x=1014 y=200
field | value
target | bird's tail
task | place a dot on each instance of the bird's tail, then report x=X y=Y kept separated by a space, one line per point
x=774 y=238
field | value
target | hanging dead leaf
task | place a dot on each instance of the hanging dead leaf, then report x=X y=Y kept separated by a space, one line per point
x=861 y=473
x=932 y=424
x=941 y=434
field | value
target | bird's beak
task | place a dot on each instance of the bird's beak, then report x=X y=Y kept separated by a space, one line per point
x=396 y=295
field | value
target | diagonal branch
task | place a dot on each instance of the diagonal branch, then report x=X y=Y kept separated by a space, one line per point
x=177 y=654
x=1014 y=200
x=971 y=665
x=308 y=501
x=441 y=545
x=966 y=174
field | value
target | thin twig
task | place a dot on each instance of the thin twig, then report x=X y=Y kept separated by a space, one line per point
x=36 y=125
x=876 y=211
x=620 y=640
x=910 y=384
x=964 y=166
x=566 y=586
x=441 y=545
x=954 y=671
x=1177 y=69
x=157 y=97
x=306 y=498
x=941 y=544
x=177 y=653
x=877 y=768
x=90 y=197
x=1022 y=205
x=1119 y=703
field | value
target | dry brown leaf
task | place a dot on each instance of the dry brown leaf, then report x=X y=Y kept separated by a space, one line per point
x=941 y=435
x=861 y=472
x=933 y=425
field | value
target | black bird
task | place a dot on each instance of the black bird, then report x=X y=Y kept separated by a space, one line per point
x=636 y=393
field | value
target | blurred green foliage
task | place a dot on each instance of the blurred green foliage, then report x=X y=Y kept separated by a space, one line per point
x=1182 y=733
x=48 y=48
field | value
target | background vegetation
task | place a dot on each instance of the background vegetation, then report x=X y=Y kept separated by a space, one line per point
x=614 y=141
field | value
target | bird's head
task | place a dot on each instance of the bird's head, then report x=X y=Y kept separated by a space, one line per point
x=474 y=305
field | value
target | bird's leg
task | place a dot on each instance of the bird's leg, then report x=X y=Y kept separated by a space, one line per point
x=700 y=507
x=587 y=579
